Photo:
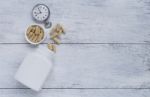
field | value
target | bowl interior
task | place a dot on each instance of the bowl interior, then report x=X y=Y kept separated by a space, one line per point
x=35 y=34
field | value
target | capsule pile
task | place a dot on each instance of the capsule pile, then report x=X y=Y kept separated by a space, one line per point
x=35 y=33
x=55 y=34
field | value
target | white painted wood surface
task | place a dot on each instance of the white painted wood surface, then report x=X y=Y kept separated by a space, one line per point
x=108 y=54
x=84 y=66
x=86 y=21
x=75 y=93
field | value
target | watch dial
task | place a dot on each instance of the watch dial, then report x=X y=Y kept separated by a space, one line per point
x=40 y=12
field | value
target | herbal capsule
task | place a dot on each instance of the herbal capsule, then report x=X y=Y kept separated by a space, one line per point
x=56 y=40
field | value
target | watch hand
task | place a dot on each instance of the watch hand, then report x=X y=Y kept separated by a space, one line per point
x=39 y=10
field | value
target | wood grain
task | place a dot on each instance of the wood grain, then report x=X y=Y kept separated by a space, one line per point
x=75 y=93
x=113 y=62
x=84 y=66
x=85 y=21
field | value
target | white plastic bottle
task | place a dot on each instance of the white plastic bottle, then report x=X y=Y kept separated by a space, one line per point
x=35 y=68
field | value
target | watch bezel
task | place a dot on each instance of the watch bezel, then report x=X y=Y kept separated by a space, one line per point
x=39 y=21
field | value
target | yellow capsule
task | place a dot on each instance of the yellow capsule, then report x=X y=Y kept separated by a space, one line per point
x=54 y=35
x=32 y=37
x=38 y=29
x=35 y=38
x=41 y=35
x=60 y=28
x=56 y=40
x=54 y=48
x=51 y=47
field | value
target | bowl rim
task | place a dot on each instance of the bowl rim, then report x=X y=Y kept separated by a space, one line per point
x=33 y=43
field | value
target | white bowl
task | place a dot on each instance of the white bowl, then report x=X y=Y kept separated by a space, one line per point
x=33 y=43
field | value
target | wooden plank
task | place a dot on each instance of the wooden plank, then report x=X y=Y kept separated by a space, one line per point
x=94 y=21
x=75 y=93
x=84 y=66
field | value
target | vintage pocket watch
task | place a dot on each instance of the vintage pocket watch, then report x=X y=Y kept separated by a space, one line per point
x=41 y=14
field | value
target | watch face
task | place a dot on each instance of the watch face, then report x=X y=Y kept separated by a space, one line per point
x=40 y=12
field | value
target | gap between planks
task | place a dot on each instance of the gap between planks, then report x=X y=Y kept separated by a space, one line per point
x=86 y=43
x=85 y=88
